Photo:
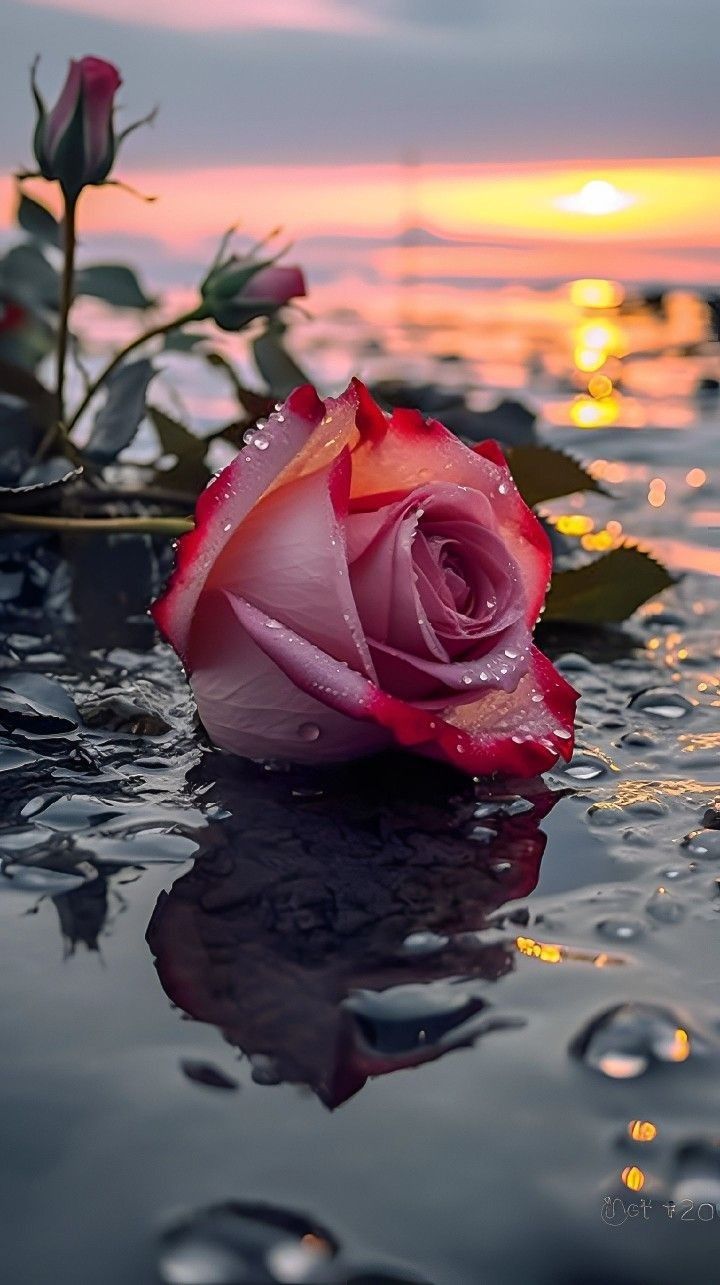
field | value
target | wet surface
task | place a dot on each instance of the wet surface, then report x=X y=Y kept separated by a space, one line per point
x=380 y=1024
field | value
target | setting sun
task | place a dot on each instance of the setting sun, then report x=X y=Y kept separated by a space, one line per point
x=596 y=197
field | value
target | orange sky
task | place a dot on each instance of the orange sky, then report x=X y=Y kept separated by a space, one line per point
x=666 y=208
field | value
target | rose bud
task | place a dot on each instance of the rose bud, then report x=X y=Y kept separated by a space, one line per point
x=356 y=581
x=238 y=290
x=75 y=142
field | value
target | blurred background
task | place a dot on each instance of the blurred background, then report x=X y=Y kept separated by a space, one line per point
x=484 y=194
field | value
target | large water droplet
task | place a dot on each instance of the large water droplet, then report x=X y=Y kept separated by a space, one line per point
x=620 y=929
x=664 y=907
x=585 y=767
x=308 y=731
x=626 y=1041
x=235 y=1244
x=662 y=702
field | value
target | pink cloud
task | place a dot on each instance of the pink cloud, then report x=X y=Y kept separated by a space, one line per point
x=299 y=15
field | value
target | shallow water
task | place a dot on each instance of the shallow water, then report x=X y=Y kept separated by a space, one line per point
x=399 y=1025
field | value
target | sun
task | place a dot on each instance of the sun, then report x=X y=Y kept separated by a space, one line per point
x=596 y=197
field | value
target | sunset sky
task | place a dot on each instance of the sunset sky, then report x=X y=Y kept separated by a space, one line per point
x=549 y=140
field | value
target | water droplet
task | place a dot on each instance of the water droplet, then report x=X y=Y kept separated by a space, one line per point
x=703 y=843
x=664 y=908
x=467 y=679
x=248 y=438
x=662 y=702
x=537 y=698
x=421 y=943
x=585 y=767
x=234 y=1243
x=562 y=734
x=308 y=731
x=482 y=834
x=620 y=929
x=627 y=1040
x=511 y=653
x=272 y=624
x=261 y=443
x=503 y=488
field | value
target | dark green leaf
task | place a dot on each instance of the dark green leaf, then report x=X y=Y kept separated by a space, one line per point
x=28 y=277
x=280 y=372
x=190 y=473
x=38 y=221
x=19 y=382
x=118 y=420
x=114 y=283
x=608 y=590
x=543 y=473
x=183 y=340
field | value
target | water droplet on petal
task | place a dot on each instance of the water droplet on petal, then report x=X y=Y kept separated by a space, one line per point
x=261 y=443
x=308 y=731
x=467 y=679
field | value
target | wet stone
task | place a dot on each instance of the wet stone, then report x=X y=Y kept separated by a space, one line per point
x=703 y=843
x=711 y=818
x=32 y=703
x=120 y=714
x=585 y=767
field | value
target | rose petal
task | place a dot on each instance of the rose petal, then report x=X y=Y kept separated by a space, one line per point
x=415 y=451
x=288 y=559
x=503 y=732
x=250 y=706
x=303 y=436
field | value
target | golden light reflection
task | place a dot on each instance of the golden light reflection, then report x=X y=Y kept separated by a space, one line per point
x=642 y=1130
x=696 y=477
x=551 y=953
x=595 y=292
x=574 y=524
x=610 y=470
x=657 y=493
x=591 y=412
x=679 y=1050
x=600 y=386
x=633 y=1178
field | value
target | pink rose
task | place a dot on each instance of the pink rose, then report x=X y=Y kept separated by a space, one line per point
x=356 y=581
x=75 y=142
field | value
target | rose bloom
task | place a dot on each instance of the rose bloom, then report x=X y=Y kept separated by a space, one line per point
x=356 y=581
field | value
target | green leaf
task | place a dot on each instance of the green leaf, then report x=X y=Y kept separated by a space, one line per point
x=183 y=340
x=119 y=419
x=114 y=283
x=255 y=405
x=190 y=473
x=28 y=277
x=19 y=382
x=607 y=590
x=544 y=473
x=280 y=372
x=38 y=221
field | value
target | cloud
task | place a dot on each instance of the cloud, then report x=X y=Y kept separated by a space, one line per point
x=374 y=80
x=229 y=15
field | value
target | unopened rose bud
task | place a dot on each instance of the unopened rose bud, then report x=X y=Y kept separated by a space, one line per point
x=75 y=141
x=237 y=291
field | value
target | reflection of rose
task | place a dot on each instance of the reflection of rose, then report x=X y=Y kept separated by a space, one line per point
x=355 y=581
x=307 y=898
